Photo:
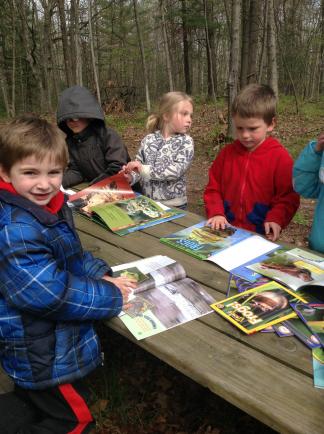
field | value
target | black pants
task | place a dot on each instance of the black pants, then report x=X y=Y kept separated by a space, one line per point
x=59 y=410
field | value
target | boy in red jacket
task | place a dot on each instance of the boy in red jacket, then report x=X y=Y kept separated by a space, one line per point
x=250 y=181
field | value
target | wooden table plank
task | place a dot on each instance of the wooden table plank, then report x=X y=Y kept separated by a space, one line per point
x=264 y=388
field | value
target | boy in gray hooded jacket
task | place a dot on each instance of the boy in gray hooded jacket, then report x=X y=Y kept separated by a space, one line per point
x=95 y=151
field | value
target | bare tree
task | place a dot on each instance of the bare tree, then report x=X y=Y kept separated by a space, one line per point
x=65 y=43
x=234 y=60
x=186 y=64
x=211 y=85
x=166 y=46
x=140 y=41
x=93 y=58
x=272 y=48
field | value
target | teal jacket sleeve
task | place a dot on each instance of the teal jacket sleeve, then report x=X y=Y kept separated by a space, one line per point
x=306 y=172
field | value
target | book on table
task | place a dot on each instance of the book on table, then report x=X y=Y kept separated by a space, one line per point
x=112 y=204
x=258 y=307
x=228 y=248
x=164 y=297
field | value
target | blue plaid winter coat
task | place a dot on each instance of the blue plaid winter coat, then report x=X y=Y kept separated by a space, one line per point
x=50 y=293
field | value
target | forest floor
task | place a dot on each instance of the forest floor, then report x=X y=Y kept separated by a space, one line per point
x=137 y=393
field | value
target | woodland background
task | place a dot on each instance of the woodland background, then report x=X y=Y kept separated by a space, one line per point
x=129 y=52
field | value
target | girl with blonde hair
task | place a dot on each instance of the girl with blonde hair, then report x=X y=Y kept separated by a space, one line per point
x=166 y=152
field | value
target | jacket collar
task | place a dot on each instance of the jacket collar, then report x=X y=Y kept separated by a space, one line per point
x=41 y=214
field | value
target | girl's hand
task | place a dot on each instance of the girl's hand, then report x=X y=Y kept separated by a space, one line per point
x=320 y=143
x=125 y=284
x=272 y=230
x=132 y=165
x=128 y=176
x=217 y=222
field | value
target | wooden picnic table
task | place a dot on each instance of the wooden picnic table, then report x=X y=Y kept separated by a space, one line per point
x=268 y=377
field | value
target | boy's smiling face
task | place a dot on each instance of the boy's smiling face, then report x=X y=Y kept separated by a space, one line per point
x=36 y=180
x=251 y=132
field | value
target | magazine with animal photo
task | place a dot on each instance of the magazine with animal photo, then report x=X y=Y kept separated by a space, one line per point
x=259 y=307
x=108 y=190
x=228 y=248
x=290 y=268
x=127 y=216
x=164 y=297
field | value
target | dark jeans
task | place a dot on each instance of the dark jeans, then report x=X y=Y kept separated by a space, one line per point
x=58 y=410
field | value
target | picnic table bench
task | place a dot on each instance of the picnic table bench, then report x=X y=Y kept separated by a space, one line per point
x=268 y=377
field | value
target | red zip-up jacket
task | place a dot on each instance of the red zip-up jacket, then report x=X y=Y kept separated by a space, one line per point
x=250 y=188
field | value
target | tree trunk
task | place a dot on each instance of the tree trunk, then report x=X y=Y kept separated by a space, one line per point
x=166 y=47
x=234 y=60
x=272 y=49
x=93 y=58
x=210 y=75
x=65 y=43
x=254 y=37
x=140 y=41
x=245 y=42
x=186 y=64
x=322 y=50
x=75 y=31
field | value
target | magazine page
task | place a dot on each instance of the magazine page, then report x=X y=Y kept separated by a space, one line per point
x=312 y=315
x=201 y=241
x=258 y=307
x=288 y=269
x=252 y=276
x=310 y=257
x=123 y=217
x=164 y=307
x=108 y=190
x=242 y=252
x=318 y=367
x=161 y=276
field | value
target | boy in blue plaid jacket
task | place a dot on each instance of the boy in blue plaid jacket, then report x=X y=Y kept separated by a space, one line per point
x=51 y=290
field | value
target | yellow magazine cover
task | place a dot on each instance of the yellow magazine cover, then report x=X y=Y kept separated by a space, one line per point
x=258 y=308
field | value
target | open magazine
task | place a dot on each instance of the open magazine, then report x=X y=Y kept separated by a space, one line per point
x=259 y=307
x=295 y=268
x=164 y=297
x=228 y=248
x=108 y=190
x=112 y=204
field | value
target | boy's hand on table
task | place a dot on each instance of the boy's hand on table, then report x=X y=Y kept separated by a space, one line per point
x=217 y=222
x=125 y=284
x=272 y=230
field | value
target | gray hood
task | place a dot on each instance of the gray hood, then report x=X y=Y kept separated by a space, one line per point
x=78 y=102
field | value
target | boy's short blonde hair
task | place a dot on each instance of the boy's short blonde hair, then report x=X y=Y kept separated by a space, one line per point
x=30 y=135
x=255 y=101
